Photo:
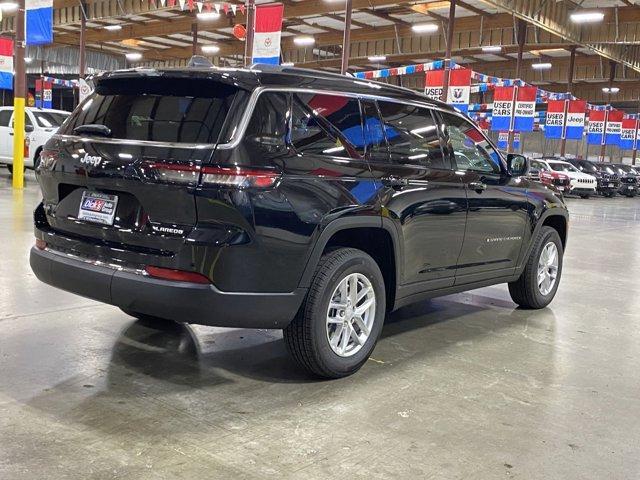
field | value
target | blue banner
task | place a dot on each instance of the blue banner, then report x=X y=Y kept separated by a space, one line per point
x=39 y=22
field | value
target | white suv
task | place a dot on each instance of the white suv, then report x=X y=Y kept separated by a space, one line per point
x=582 y=184
x=40 y=125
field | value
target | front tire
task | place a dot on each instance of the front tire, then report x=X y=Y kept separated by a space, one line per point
x=539 y=281
x=338 y=326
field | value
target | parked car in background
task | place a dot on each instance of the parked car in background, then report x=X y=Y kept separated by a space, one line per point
x=608 y=181
x=582 y=184
x=552 y=178
x=40 y=125
x=629 y=179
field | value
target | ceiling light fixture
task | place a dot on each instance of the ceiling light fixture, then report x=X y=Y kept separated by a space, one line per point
x=287 y=64
x=133 y=56
x=424 y=27
x=541 y=66
x=610 y=90
x=492 y=49
x=113 y=28
x=207 y=16
x=8 y=6
x=305 y=40
x=586 y=17
x=210 y=48
x=377 y=58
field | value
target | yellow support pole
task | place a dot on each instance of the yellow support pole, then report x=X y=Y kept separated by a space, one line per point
x=18 y=142
x=20 y=92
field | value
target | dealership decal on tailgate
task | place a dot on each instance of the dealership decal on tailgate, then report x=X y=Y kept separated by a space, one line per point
x=98 y=207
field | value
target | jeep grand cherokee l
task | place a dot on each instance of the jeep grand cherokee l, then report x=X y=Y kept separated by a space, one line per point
x=287 y=199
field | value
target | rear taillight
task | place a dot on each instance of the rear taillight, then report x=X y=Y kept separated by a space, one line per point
x=40 y=244
x=238 y=177
x=27 y=141
x=212 y=176
x=176 y=275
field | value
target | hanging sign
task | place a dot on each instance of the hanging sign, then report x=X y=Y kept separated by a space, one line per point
x=6 y=63
x=84 y=89
x=503 y=140
x=44 y=94
x=595 y=129
x=554 y=120
x=39 y=22
x=459 y=89
x=613 y=128
x=628 y=133
x=575 y=119
x=266 y=41
x=525 y=109
x=502 y=108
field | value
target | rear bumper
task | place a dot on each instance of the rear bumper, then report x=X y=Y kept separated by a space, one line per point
x=179 y=301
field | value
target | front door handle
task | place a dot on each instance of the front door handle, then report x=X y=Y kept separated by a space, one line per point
x=478 y=186
x=395 y=182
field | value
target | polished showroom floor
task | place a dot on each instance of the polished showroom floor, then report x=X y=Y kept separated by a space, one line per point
x=462 y=387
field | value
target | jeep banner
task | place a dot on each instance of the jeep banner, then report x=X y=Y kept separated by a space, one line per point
x=575 y=119
x=266 y=41
x=459 y=87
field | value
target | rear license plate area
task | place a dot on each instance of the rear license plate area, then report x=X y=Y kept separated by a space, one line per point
x=96 y=207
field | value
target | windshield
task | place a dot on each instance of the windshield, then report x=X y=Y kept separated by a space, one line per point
x=609 y=170
x=159 y=109
x=588 y=167
x=563 y=167
x=50 y=119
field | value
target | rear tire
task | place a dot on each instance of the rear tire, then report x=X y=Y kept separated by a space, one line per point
x=585 y=196
x=316 y=337
x=528 y=291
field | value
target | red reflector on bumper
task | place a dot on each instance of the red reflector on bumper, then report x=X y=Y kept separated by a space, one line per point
x=176 y=275
x=40 y=244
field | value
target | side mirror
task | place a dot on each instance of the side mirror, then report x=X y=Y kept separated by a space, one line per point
x=517 y=165
x=29 y=128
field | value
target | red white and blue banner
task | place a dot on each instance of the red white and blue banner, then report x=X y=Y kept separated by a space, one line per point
x=628 y=134
x=44 y=94
x=503 y=140
x=613 y=127
x=6 y=63
x=595 y=129
x=554 y=120
x=39 y=22
x=575 y=119
x=459 y=87
x=502 y=108
x=266 y=41
x=525 y=110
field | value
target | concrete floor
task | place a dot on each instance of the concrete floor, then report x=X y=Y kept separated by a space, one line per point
x=461 y=387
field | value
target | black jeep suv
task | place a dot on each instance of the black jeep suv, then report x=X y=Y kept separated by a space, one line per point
x=287 y=199
x=608 y=180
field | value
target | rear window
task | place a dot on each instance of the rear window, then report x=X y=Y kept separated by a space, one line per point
x=177 y=110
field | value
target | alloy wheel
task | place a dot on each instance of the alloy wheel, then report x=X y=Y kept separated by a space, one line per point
x=548 y=268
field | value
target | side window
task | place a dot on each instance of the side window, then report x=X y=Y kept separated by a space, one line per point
x=27 y=119
x=471 y=151
x=412 y=134
x=327 y=125
x=375 y=143
x=269 y=121
x=5 y=116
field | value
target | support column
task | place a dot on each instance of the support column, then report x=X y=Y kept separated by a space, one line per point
x=572 y=62
x=83 y=40
x=521 y=38
x=635 y=140
x=447 y=55
x=19 y=90
x=194 y=38
x=612 y=75
x=346 y=39
x=251 y=29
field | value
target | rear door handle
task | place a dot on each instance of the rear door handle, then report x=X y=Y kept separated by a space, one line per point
x=395 y=182
x=478 y=186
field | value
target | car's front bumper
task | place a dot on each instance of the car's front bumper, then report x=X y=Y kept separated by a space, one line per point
x=181 y=301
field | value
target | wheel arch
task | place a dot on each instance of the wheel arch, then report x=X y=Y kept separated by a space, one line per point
x=367 y=233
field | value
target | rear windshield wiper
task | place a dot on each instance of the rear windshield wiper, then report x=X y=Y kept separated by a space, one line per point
x=93 y=129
